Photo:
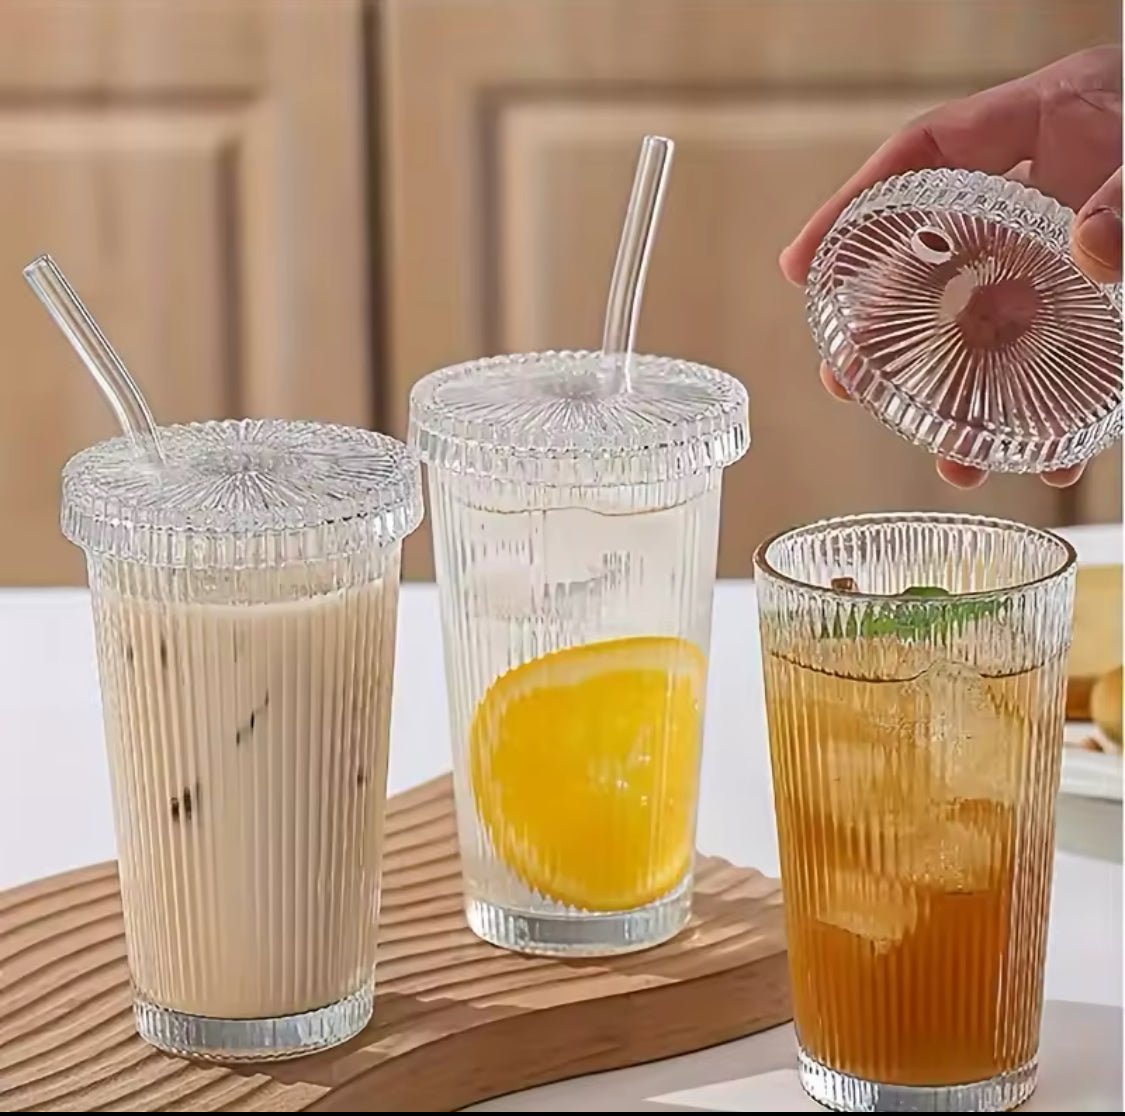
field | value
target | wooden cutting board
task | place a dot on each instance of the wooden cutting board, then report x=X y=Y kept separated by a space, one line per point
x=456 y=1020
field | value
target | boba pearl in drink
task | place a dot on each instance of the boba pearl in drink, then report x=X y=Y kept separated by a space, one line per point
x=915 y=673
x=575 y=535
x=244 y=594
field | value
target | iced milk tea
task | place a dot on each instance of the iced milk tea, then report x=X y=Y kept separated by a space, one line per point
x=245 y=595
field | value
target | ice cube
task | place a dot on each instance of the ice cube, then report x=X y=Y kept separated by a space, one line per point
x=977 y=734
x=879 y=910
x=951 y=854
x=866 y=750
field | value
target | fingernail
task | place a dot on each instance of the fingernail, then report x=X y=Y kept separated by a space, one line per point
x=1064 y=478
x=960 y=476
x=968 y=481
x=783 y=263
x=1099 y=236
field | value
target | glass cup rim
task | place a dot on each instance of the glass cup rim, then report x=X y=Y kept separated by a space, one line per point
x=1068 y=562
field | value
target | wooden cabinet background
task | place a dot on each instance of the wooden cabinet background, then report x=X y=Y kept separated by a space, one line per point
x=204 y=187
x=297 y=207
x=512 y=129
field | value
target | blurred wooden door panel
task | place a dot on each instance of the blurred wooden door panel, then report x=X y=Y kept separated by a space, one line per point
x=745 y=177
x=512 y=135
x=204 y=190
x=134 y=212
x=1098 y=495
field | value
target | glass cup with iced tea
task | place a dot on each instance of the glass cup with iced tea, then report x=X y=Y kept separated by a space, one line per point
x=915 y=676
x=245 y=593
x=575 y=536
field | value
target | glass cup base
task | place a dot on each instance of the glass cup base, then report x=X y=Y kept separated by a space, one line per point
x=253 y=1040
x=841 y=1092
x=581 y=935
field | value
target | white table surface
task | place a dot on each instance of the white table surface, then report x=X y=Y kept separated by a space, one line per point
x=55 y=815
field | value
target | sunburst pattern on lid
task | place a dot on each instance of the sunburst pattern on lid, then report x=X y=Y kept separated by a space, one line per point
x=254 y=492
x=948 y=304
x=553 y=419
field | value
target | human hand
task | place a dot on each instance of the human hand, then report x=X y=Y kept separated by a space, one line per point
x=1058 y=129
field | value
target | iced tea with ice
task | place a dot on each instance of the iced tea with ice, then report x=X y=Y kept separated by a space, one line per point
x=915 y=734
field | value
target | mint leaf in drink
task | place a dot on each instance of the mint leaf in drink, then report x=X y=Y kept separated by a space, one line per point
x=911 y=614
x=905 y=620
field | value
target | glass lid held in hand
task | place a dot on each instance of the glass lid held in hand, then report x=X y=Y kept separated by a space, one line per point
x=242 y=493
x=947 y=303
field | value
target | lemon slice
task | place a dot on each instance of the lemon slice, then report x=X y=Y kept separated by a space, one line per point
x=585 y=765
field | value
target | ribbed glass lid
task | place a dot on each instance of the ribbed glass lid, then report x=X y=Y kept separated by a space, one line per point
x=243 y=493
x=948 y=304
x=552 y=419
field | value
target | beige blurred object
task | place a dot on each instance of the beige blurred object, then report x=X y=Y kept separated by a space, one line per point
x=202 y=182
x=510 y=132
x=1096 y=649
x=1105 y=705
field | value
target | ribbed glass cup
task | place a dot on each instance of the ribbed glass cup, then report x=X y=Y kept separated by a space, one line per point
x=245 y=598
x=915 y=742
x=575 y=539
x=949 y=305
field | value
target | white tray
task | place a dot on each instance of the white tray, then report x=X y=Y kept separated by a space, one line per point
x=1088 y=774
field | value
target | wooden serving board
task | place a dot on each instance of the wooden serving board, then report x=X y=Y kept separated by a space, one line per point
x=456 y=1020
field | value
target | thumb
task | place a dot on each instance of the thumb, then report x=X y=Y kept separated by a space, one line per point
x=1095 y=239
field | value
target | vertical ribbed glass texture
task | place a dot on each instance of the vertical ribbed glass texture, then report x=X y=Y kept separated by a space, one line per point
x=244 y=596
x=247 y=726
x=576 y=625
x=915 y=746
x=575 y=536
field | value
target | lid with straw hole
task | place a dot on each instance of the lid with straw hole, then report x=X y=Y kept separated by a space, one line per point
x=601 y=419
x=238 y=494
x=221 y=496
x=555 y=419
x=947 y=303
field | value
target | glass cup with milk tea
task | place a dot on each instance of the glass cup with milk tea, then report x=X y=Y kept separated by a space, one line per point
x=575 y=501
x=244 y=579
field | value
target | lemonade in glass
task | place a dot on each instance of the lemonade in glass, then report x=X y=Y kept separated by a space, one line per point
x=575 y=539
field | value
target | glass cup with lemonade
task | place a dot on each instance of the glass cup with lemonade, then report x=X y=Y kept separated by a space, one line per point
x=575 y=536
x=915 y=691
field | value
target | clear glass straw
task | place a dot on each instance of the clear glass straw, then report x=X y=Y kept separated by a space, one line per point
x=626 y=289
x=88 y=341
